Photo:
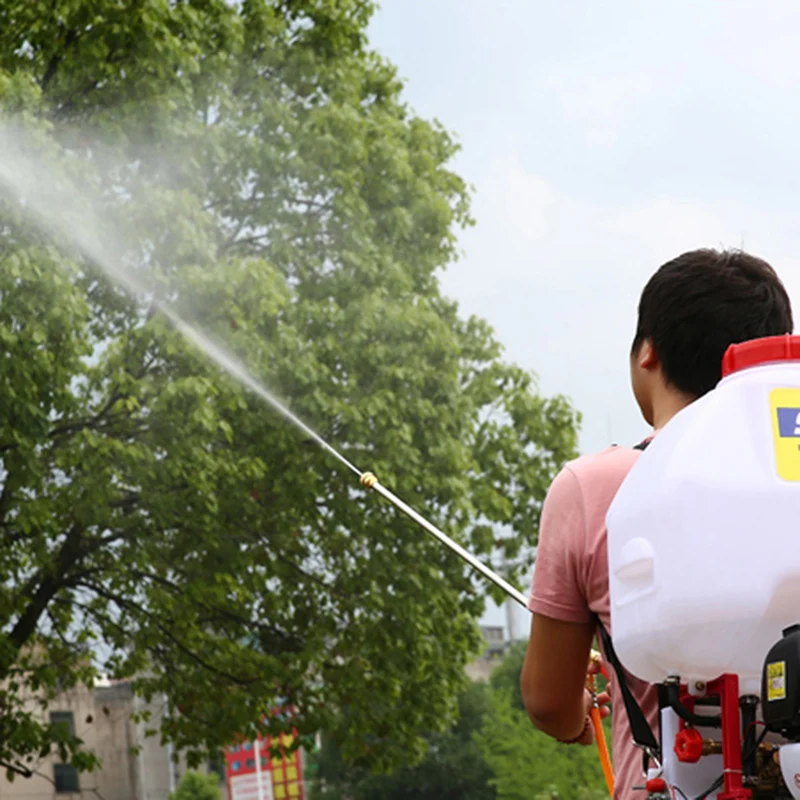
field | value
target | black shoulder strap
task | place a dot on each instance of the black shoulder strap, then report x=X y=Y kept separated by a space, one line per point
x=640 y=728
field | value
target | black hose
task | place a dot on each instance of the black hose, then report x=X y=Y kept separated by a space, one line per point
x=748 y=708
x=695 y=720
x=713 y=788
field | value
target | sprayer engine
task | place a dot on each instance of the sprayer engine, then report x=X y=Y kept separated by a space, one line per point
x=780 y=701
x=713 y=743
x=780 y=685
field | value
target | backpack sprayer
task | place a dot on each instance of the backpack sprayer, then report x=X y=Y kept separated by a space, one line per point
x=704 y=573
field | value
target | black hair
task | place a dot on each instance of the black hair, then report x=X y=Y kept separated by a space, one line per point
x=700 y=303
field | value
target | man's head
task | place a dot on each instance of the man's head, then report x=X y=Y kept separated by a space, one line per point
x=690 y=312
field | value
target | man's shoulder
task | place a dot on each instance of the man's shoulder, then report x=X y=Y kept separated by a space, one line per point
x=604 y=468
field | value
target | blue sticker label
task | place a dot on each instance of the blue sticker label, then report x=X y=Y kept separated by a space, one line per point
x=789 y=422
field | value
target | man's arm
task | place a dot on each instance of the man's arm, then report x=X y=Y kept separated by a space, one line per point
x=554 y=673
x=553 y=679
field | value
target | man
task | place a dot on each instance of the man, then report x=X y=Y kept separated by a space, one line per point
x=691 y=310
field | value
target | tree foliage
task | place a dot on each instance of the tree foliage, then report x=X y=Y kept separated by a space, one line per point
x=492 y=752
x=454 y=766
x=197 y=786
x=526 y=763
x=155 y=515
x=529 y=764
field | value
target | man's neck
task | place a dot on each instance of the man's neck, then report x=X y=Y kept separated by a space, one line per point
x=667 y=405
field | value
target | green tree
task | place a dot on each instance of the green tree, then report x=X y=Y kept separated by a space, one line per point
x=197 y=786
x=453 y=767
x=505 y=677
x=525 y=762
x=528 y=764
x=157 y=520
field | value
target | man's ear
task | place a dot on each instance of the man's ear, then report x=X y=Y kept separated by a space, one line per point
x=646 y=357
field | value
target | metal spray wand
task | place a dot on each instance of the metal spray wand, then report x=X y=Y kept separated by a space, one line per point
x=370 y=481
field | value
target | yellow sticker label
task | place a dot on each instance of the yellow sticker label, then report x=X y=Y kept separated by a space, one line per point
x=785 y=410
x=776 y=681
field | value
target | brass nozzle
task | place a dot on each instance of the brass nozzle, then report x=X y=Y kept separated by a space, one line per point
x=368 y=480
x=591 y=680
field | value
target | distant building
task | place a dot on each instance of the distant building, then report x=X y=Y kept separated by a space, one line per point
x=495 y=640
x=102 y=718
x=496 y=646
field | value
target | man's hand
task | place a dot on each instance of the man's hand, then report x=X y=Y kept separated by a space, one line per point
x=603 y=699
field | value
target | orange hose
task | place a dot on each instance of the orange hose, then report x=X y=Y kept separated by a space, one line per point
x=602 y=749
x=597 y=724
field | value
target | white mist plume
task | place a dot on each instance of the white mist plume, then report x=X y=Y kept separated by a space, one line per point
x=68 y=213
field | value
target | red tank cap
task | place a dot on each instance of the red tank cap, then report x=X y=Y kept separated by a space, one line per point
x=760 y=351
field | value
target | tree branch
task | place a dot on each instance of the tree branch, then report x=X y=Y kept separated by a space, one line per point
x=87 y=422
x=286 y=642
x=49 y=579
x=19 y=769
x=56 y=59
x=122 y=602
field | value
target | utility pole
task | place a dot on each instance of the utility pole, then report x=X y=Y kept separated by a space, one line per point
x=510 y=602
x=510 y=611
x=257 y=748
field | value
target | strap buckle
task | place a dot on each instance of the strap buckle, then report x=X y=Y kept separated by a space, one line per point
x=648 y=755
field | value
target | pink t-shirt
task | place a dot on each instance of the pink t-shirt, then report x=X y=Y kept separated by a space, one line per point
x=570 y=581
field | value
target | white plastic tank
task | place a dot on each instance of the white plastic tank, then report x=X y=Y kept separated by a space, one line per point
x=704 y=534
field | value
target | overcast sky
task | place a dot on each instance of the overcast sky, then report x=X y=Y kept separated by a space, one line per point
x=603 y=139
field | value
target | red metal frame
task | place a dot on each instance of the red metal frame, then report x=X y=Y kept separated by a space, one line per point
x=726 y=687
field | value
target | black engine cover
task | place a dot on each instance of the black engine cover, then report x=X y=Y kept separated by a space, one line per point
x=780 y=685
